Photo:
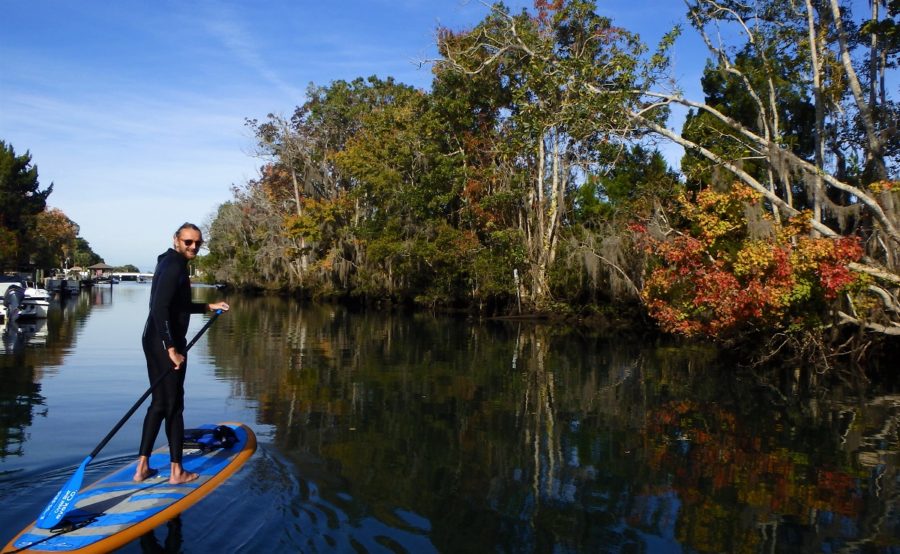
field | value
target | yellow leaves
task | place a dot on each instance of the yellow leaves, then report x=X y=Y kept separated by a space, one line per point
x=754 y=258
x=718 y=277
x=718 y=214
x=809 y=253
x=884 y=186
x=713 y=227
x=57 y=231
x=799 y=225
x=318 y=215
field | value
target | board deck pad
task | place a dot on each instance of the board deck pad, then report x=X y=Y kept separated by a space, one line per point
x=116 y=510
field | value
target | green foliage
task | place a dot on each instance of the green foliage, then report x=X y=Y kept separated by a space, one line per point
x=591 y=202
x=84 y=255
x=236 y=237
x=379 y=190
x=32 y=236
x=447 y=259
x=638 y=176
x=729 y=94
x=496 y=265
x=886 y=30
x=569 y=280
x=524 y=172
x=21 y=200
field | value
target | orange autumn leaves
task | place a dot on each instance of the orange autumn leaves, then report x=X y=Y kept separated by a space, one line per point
x=721 y=275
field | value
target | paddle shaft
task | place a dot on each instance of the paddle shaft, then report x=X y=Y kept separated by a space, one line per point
x=150 y=390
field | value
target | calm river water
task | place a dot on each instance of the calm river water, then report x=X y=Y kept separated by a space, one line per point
x=396 y=433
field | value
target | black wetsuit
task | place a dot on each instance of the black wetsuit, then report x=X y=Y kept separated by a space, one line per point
x=170 y=312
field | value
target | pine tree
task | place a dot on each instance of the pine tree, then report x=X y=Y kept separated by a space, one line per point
x=21 y=200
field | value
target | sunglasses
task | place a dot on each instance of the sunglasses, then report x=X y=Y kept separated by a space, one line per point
x=190 y=242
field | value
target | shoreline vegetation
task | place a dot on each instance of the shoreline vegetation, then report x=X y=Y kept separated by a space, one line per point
x=527 y=181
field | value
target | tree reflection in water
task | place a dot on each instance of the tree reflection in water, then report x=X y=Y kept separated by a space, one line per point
x=526 y=437
x=25 y=349
x=19 y=394
x=413 y=433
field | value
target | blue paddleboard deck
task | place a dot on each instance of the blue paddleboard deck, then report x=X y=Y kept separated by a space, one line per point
x=116 y=510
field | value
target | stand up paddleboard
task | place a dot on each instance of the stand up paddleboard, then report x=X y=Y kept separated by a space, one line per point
x=116 y=510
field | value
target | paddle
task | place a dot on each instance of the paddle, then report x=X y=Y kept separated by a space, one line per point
x=56 y=509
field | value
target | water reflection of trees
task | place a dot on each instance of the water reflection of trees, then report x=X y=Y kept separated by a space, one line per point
x=28 y=348
x=754 y=477
x=532 y=438
x=18 y=397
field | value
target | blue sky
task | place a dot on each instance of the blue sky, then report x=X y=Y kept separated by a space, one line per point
x=135 y=110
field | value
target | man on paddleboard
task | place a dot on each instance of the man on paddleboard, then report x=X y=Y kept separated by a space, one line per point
x=164 y=341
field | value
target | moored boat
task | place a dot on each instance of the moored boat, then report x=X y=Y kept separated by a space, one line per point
x=33 y=308
x=62 y=285
x=23 y=300
x=12 y=291
x=34 y=291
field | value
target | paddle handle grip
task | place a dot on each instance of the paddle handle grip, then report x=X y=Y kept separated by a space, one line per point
x=150 y=390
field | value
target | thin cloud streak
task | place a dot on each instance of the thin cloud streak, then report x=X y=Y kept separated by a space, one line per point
x=232 y=34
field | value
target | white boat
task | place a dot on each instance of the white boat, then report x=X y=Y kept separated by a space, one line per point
x=33 y=291
x=9 y=286
x=23 y=300
x=33 y=308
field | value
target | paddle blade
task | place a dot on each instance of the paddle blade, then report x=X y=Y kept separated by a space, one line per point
x=57 y=508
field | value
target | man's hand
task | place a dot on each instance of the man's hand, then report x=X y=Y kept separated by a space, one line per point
x=218 y=306
x=176 y=358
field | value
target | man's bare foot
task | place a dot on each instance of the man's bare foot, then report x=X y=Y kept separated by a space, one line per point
x=145 y=474
x=179 y=476
x=143 y=471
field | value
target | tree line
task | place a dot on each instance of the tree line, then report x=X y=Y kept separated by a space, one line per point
x=32 y=235
x=528 y=179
